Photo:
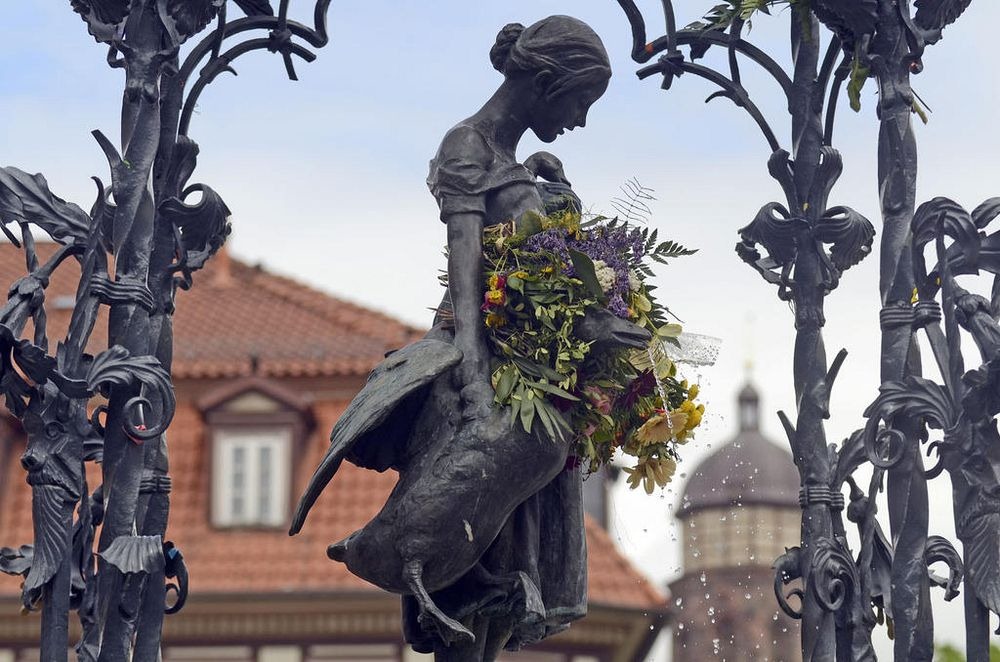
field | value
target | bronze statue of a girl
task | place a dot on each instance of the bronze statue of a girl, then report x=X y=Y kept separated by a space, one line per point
x=483 y=534
x=553 y=72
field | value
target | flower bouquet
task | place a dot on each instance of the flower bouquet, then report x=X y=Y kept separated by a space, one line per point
x=542 y=273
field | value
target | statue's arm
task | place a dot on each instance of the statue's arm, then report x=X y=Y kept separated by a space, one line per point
x=465 y=267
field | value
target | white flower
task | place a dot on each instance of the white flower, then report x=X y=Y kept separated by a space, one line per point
x=633 y=281
x=605 y=275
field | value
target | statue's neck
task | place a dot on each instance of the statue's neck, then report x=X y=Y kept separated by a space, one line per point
x=504 y=116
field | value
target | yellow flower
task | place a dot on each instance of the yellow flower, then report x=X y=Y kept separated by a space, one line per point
x=493 y=281
x=651 y=472
x=571 y=223
x=547 y=269
x=495 y=320
x=694 y=419
x=687 y=407
x=916 y=295
x=495 y=297
x=660 y=429
x=520 y=274
x=693 y=392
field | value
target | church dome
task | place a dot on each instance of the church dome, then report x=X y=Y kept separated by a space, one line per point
x=749 y=470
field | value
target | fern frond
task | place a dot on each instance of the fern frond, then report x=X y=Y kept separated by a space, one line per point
x=632 y=207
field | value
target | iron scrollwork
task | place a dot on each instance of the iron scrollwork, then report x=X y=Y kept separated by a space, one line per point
x=114 y=408
x=803 y=246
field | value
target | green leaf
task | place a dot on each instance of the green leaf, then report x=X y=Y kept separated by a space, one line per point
x=669 y=331
x=748 y=7
x=515 y=410
x=554 y=390
x=527 y=413
x=586 y=272
x=505 y=385
x=546 y=419
x=530 y=223
x=668 y=249
x=859 y=75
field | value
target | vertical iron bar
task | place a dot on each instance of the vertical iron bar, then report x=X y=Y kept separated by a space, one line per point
x=977 y=625
x=906 y=484
x=818 y=633
x=154 y=501
x=54 y=646
x=129 y=322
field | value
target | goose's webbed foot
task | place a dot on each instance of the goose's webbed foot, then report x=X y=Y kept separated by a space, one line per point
x=431 y=617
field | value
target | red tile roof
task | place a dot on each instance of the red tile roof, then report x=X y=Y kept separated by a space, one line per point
x=291 y=331
x=237 y=315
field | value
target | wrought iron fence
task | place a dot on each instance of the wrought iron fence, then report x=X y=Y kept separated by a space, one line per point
x=802 y=247
x=141 y=241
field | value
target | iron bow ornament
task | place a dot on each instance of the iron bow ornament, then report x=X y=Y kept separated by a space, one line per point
x=114 y=408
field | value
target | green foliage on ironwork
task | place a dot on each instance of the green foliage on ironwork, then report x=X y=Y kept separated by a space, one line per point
x=949 y=653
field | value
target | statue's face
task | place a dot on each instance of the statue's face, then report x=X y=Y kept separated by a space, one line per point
x=552 y=115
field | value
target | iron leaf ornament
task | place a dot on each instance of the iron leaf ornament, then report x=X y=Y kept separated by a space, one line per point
x=27 y=198
x=937 y=14
x=849 y=235
x=181 y=19
x=850 y=20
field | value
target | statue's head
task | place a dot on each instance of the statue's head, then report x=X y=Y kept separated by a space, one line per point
x=564 y=64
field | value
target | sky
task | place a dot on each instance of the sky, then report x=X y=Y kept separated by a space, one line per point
x=326 y=178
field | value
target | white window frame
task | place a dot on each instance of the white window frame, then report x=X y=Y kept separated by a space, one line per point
x=253 y=441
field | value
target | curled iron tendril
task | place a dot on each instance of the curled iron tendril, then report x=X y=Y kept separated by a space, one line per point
x=786 y=570
x=886 y=448
x=175 y=568
x=834 y=577
x=938 y=467
x=281 y=32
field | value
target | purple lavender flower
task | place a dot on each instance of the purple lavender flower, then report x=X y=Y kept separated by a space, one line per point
x=552 y=241
x=638 y=246
x=617 y=306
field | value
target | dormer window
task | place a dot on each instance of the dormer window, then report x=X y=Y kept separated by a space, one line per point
x=251 y=476
x=255 y=426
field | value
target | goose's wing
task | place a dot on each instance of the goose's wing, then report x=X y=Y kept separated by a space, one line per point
x=374 y=429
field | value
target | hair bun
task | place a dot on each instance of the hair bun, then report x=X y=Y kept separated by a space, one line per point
x=506 y=38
